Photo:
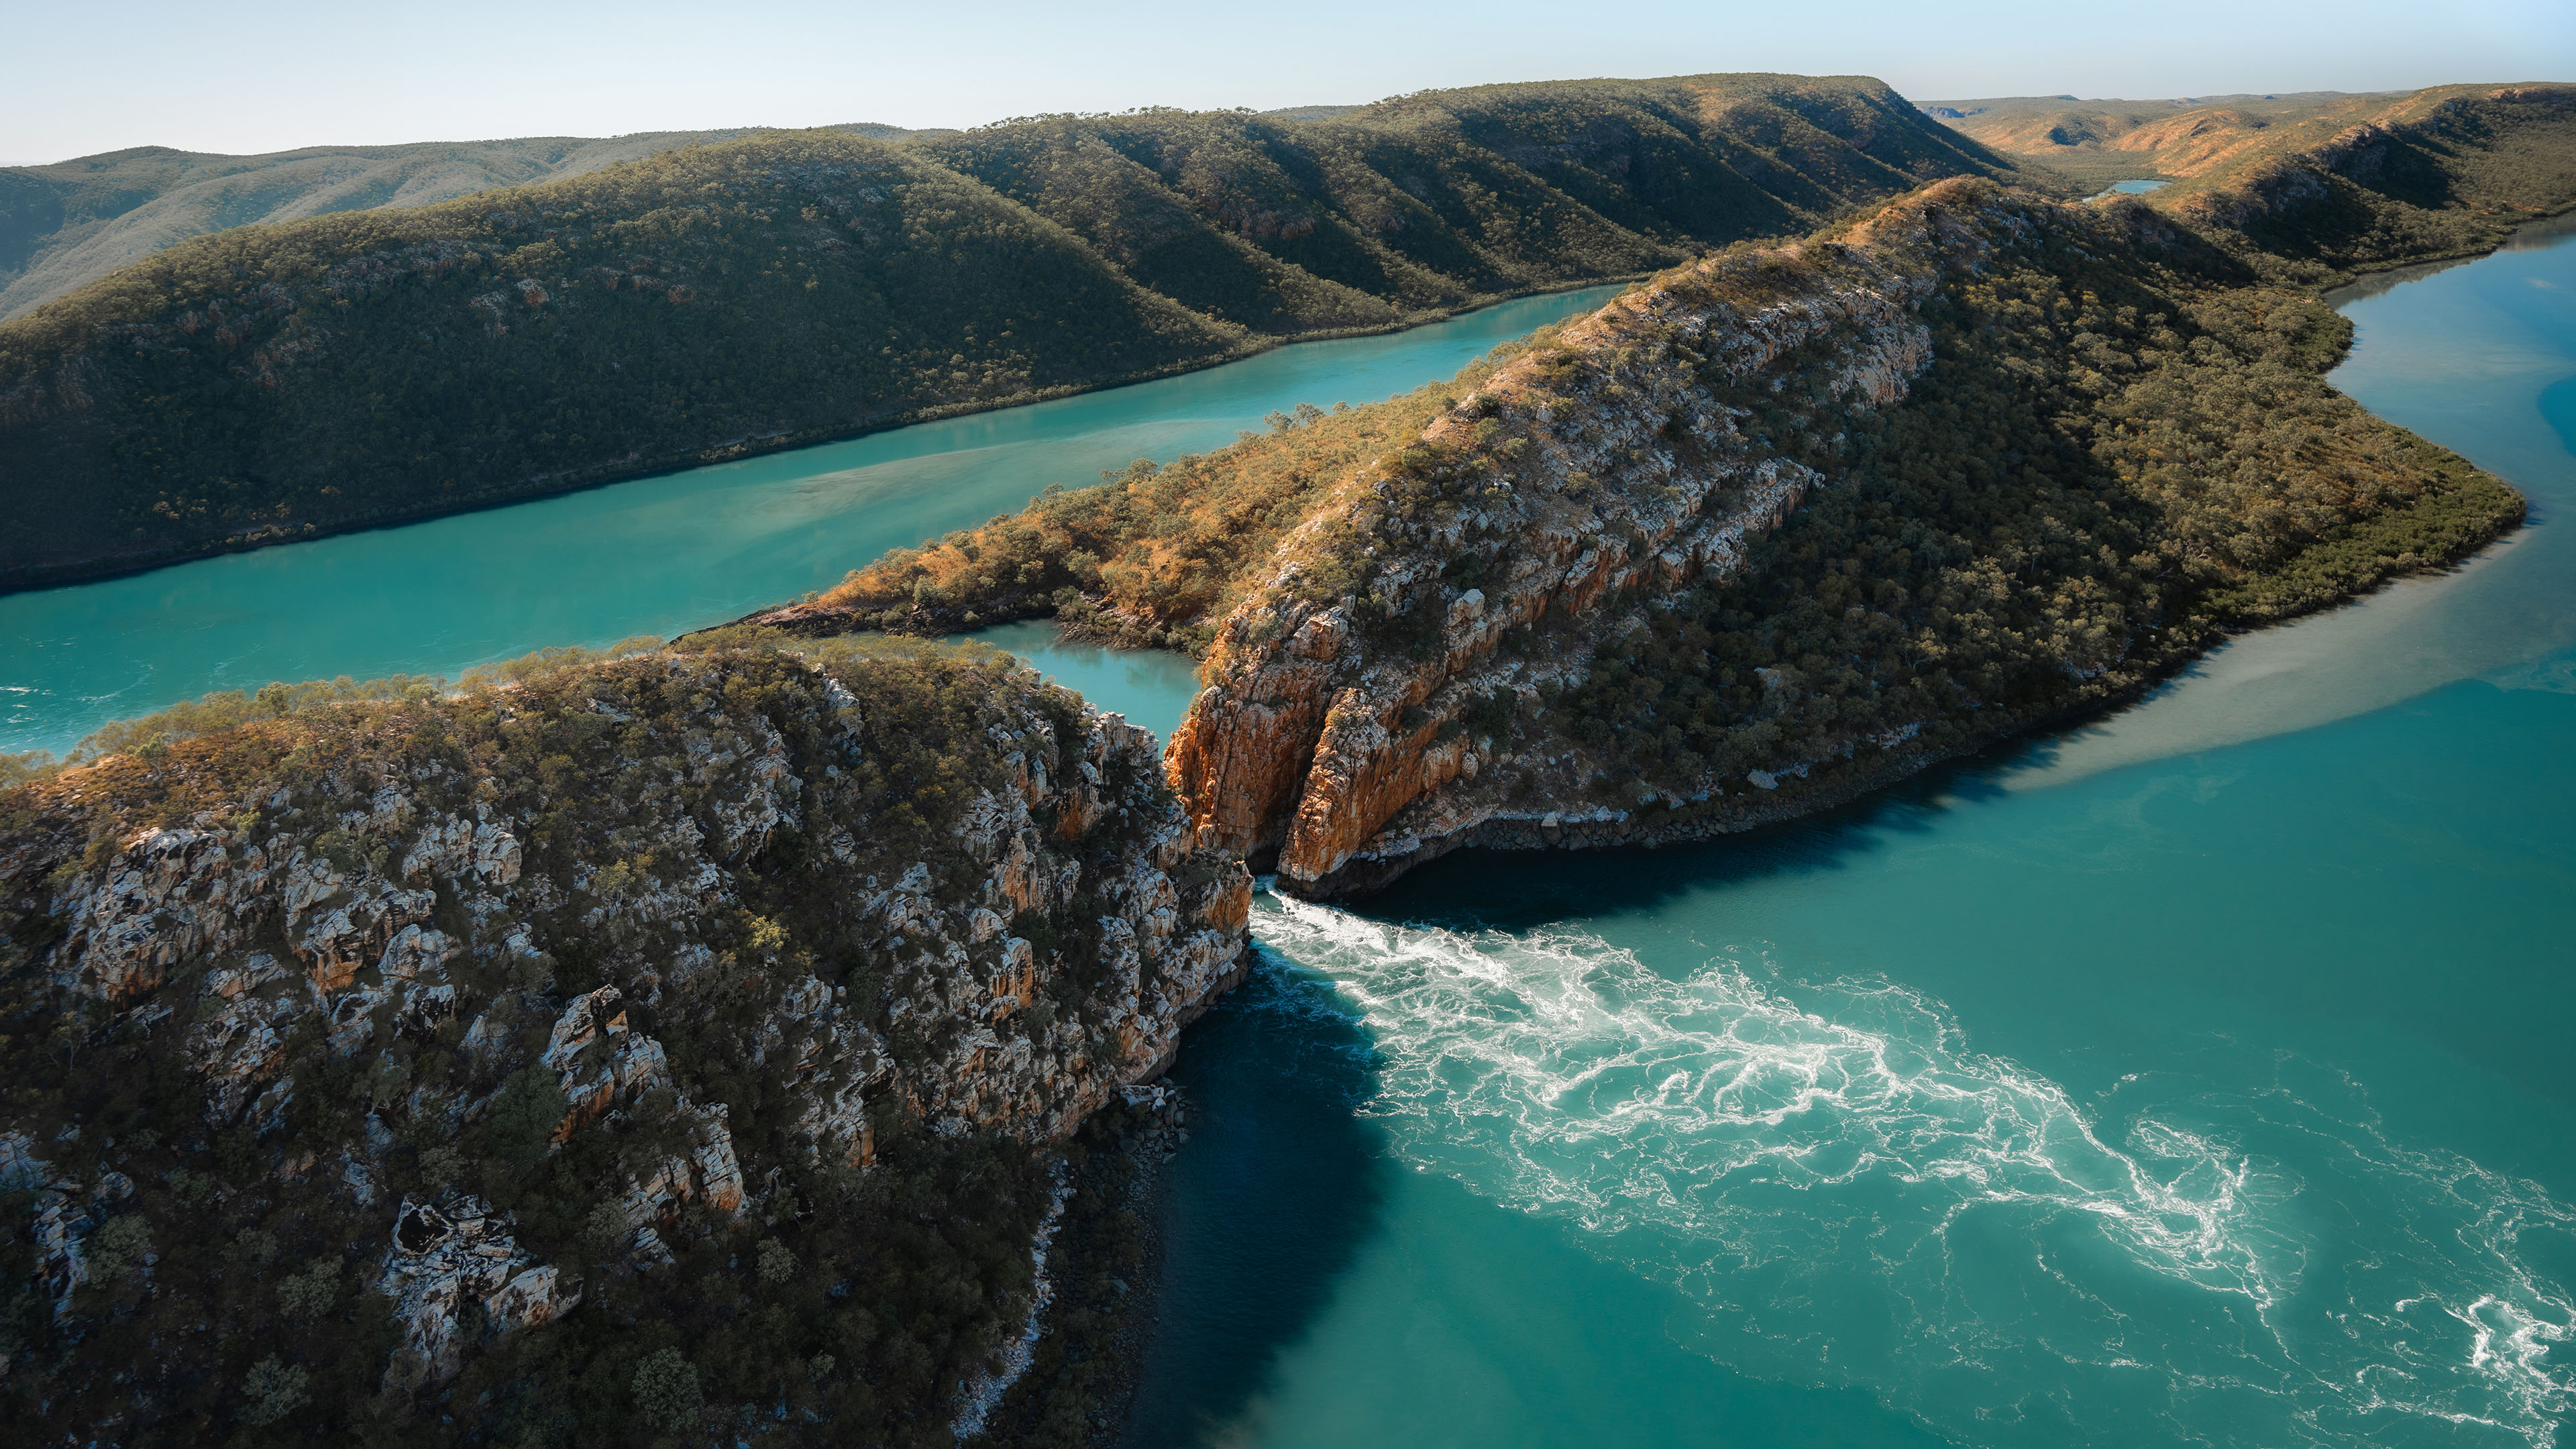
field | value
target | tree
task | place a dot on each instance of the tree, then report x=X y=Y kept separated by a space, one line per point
x=525 y=1115
x=309 y=1294
x=117 y=1248
x=272 y=1390
x=777 y=1263
x=666 y=1390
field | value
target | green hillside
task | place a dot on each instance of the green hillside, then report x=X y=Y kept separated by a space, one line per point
x=72 y=222
x=67 y=224
x=276 y=382
x=1453 y=196
x=280 y=381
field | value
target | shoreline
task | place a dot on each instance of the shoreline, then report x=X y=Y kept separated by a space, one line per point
x=1079 y=1384
x=1698 y=822
x=38 y=578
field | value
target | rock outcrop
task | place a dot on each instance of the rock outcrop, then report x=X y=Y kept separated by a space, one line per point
x=656 y=950
x=1741 y=546
x=1637 y=454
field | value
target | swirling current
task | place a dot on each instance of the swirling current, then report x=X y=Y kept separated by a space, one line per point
x=2196 y=1077
x=1787 y=1152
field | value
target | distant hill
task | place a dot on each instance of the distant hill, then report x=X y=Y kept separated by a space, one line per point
x=2188 y=138
x=1312 y=113
x=2375 y=181
x=75 y=221
x=2097 y=142
x=72 y=222
x=2343 y=180
x=278 y=381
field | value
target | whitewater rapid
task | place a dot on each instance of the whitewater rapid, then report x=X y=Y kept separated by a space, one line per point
x=1851 y=1194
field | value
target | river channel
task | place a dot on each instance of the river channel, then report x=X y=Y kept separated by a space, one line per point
x=655 y=556
x=2202 y=1076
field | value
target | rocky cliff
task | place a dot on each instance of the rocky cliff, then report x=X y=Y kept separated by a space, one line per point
x=403 y=1058
x=1637 y=455
x=1785 y=524
x=1769 y=530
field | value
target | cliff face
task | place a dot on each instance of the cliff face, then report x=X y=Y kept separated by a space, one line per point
x=1784 y=525
x=533 y=998
x=1635 y=456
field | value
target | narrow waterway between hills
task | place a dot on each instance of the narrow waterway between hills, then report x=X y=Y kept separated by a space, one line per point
x=655 y=556
x=2197 y=1077
x=2200 y=1076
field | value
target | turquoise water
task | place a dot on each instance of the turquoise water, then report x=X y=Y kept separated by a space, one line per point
x=1149 y=686
x=2200 y=1077
x=656 y=556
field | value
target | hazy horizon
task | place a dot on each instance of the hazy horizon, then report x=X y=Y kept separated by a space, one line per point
x=286 y=76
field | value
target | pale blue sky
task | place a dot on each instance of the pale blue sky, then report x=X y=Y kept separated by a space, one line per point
x=105 y=74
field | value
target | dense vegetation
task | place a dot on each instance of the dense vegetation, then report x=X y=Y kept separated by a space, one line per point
x=1451 y=197
x=273 y=382
x=2118 y=454
x=2124 y=446
x=232 y=1257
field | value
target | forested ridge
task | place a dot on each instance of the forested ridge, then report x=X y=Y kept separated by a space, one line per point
x=2119 y=445
x=2176 y=394
x=276 y=382
x=2235 y=275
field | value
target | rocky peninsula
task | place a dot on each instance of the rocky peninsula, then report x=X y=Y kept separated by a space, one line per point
x=717 y=1007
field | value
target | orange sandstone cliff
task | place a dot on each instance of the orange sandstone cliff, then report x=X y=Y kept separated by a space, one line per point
x=1352 y=726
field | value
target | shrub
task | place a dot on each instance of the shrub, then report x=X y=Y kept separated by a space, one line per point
x=117 y=1248
x=309 y=1294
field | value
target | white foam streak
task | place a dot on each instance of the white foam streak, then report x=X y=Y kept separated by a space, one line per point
x=1802 y=1171
x=1578 y=1046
